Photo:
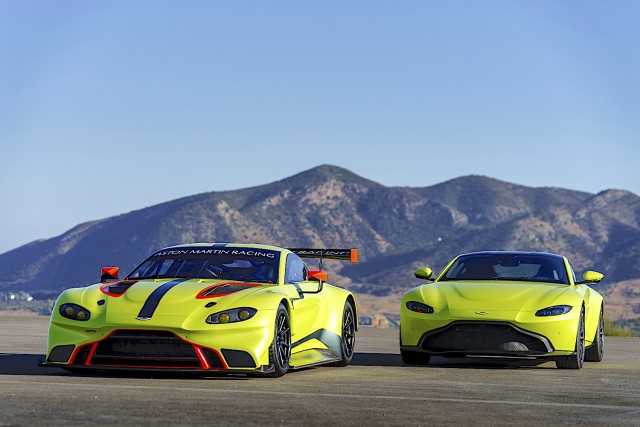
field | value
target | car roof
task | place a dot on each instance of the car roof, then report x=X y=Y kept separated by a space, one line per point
x=523 y=253
x=223 y=245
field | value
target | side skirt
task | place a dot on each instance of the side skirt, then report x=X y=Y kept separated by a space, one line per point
x=317 y=356
x=312 y=357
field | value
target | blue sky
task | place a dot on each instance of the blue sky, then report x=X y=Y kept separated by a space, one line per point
x=108 y=107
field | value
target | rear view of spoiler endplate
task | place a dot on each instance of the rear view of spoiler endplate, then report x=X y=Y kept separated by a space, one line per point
x=343 y=254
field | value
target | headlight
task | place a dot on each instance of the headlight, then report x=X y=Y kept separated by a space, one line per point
x=419 y=307
x=231 y=316
x=556 y=310
x=74 y=312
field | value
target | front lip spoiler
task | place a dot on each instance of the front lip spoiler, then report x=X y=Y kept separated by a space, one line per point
x=476 y=353
x=509 y=355
x=264 y=369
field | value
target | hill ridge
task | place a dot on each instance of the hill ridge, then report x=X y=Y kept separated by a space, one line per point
x=331 y=206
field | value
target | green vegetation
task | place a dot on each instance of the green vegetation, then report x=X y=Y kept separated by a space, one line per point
x=621 y=328
x=39 y=302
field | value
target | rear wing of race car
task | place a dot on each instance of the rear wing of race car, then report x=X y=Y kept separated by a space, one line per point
x=320 y=275
x=342 y=254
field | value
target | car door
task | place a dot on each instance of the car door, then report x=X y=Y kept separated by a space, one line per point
x=309 y=306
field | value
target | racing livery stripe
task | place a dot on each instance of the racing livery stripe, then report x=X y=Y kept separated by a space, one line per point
x=219 y=245
x=153 y=300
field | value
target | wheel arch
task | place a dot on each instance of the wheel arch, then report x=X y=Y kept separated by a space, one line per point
x=592 y=316
x=289 y=307
x=597 y=321
x=351 y=299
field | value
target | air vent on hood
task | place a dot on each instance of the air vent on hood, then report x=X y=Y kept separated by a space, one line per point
x=116 y=289
x=223 y=289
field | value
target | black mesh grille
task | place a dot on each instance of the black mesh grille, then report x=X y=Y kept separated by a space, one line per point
x=224 y=289
x=238 y=359
x=61 y=353
x=82 y=355
x=212 y=358
x=489 y=338
x=145 y=349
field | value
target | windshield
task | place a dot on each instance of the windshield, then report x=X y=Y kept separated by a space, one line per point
x=237 y=264
x=508 y=266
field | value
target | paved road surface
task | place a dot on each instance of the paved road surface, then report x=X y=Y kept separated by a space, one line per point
x=375 y=390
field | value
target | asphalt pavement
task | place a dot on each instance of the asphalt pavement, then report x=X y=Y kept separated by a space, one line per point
x=376 y=389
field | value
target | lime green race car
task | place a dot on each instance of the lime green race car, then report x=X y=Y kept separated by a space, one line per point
x=208 y=308
x=519 y=304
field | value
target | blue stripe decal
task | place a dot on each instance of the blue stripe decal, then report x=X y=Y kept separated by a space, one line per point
x=153 y=300
x=219 y=245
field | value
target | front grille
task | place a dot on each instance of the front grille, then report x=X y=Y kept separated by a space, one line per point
x=148 y=349
x=484 y=338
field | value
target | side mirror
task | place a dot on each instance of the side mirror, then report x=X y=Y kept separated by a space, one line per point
x=109 y=274
x=319 y=275
x=592 y=277
x=424 y=273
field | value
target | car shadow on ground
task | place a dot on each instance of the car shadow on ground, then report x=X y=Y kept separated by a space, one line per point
x=376 y=359
x=391 y=359
x=28 y=364
x=23 y=364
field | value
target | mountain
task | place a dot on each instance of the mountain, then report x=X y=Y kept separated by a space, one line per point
x=397 y=229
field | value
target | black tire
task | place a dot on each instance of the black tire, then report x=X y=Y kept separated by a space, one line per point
x=414 y=357
x=576 y=360
x=348 y=338
x=280 y=350
x=595 y=352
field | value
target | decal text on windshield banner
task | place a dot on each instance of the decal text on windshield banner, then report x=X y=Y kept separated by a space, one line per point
x=259 y=253
x=343 y=254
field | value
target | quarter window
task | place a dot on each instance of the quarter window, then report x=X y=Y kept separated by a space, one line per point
x=296 y=270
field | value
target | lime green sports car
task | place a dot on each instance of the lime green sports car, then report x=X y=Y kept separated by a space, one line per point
x=208 y=308
x=519 y=304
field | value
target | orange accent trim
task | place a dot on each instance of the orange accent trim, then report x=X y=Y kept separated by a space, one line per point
x=203 y=359
x=104 y=291
x=319 y=275
x=354 y=255
x=91 y=353
x=75 y=354
x=111 y=271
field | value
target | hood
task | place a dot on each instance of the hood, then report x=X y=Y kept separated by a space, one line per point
x=495 y=295
x=148 y=301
